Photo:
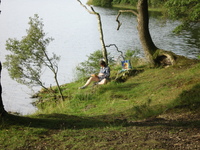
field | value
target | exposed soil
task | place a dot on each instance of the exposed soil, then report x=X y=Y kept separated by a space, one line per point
x=171 y=131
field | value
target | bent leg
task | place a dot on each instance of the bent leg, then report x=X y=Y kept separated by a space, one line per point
x=104 y=81
x=90 y=80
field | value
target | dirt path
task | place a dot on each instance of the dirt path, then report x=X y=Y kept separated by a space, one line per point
x=166 y=132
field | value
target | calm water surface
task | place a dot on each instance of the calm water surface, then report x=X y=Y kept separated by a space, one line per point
x=76 y=36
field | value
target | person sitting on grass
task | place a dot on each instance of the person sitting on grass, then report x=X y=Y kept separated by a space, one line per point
x=101 y=78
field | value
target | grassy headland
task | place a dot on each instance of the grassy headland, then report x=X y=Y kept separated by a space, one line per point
x=156 y=109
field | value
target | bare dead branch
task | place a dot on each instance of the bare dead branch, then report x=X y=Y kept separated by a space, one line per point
x=92 y=11
x=116 y=49
x=117 y=19
x=129 y=11
x=124 y=11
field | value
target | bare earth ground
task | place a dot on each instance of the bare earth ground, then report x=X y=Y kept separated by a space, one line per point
x=174 y=131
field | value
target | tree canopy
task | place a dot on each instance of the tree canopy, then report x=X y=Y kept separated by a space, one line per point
x=152 y=3
x=187 y=11
x=27 y=56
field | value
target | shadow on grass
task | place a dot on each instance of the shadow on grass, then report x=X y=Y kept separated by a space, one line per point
x=54 y=121
x=62 y=122
x=115 y=87
x=188 y=99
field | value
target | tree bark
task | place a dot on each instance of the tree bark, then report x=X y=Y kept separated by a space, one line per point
x=154 y=55
x=54 y=69
x=2 y=110
x=143 y=29
x=92 y=11
x=104 y=51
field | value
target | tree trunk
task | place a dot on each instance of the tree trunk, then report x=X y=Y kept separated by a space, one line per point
x=2 y=110
x=143 y=29
x=104 y=51
x=154 y=55
x=92 y=11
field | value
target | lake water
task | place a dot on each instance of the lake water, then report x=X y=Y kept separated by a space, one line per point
x=76 y=35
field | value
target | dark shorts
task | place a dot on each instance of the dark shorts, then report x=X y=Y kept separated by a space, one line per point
x=101 y=78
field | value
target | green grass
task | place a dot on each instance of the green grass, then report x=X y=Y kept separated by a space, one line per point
x=110 y=116
x=155 y=89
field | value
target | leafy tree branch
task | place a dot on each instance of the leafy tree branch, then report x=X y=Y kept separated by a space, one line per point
x=29 y=55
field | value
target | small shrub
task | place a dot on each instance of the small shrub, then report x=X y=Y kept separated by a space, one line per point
x=133 y=56
x=91 y=65
x=131 y=53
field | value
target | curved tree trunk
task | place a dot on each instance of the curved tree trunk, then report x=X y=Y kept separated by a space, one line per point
x=154 y=55
x=2 y=110
x=143 y=29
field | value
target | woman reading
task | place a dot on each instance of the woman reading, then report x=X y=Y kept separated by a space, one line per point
x=101 y=78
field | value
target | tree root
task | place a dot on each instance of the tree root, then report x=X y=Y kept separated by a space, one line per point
x=164 y=58
x=123 y=76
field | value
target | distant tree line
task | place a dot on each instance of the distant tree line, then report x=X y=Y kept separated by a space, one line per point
x=187 y=11
x=103 y=3
x=109 y=3
x=152 y=3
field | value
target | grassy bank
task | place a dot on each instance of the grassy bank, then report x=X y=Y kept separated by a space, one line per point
x=156 y=109
x=105 y=3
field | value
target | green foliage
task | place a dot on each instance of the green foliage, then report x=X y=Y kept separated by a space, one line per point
x=102 y=3
x=91 y=65
x=106 y=3
x=131 y=2
x=29 y=55
x=116 y=1
x=156 y=3
x=131 y=53
x=187 y=11
x=152 y=3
